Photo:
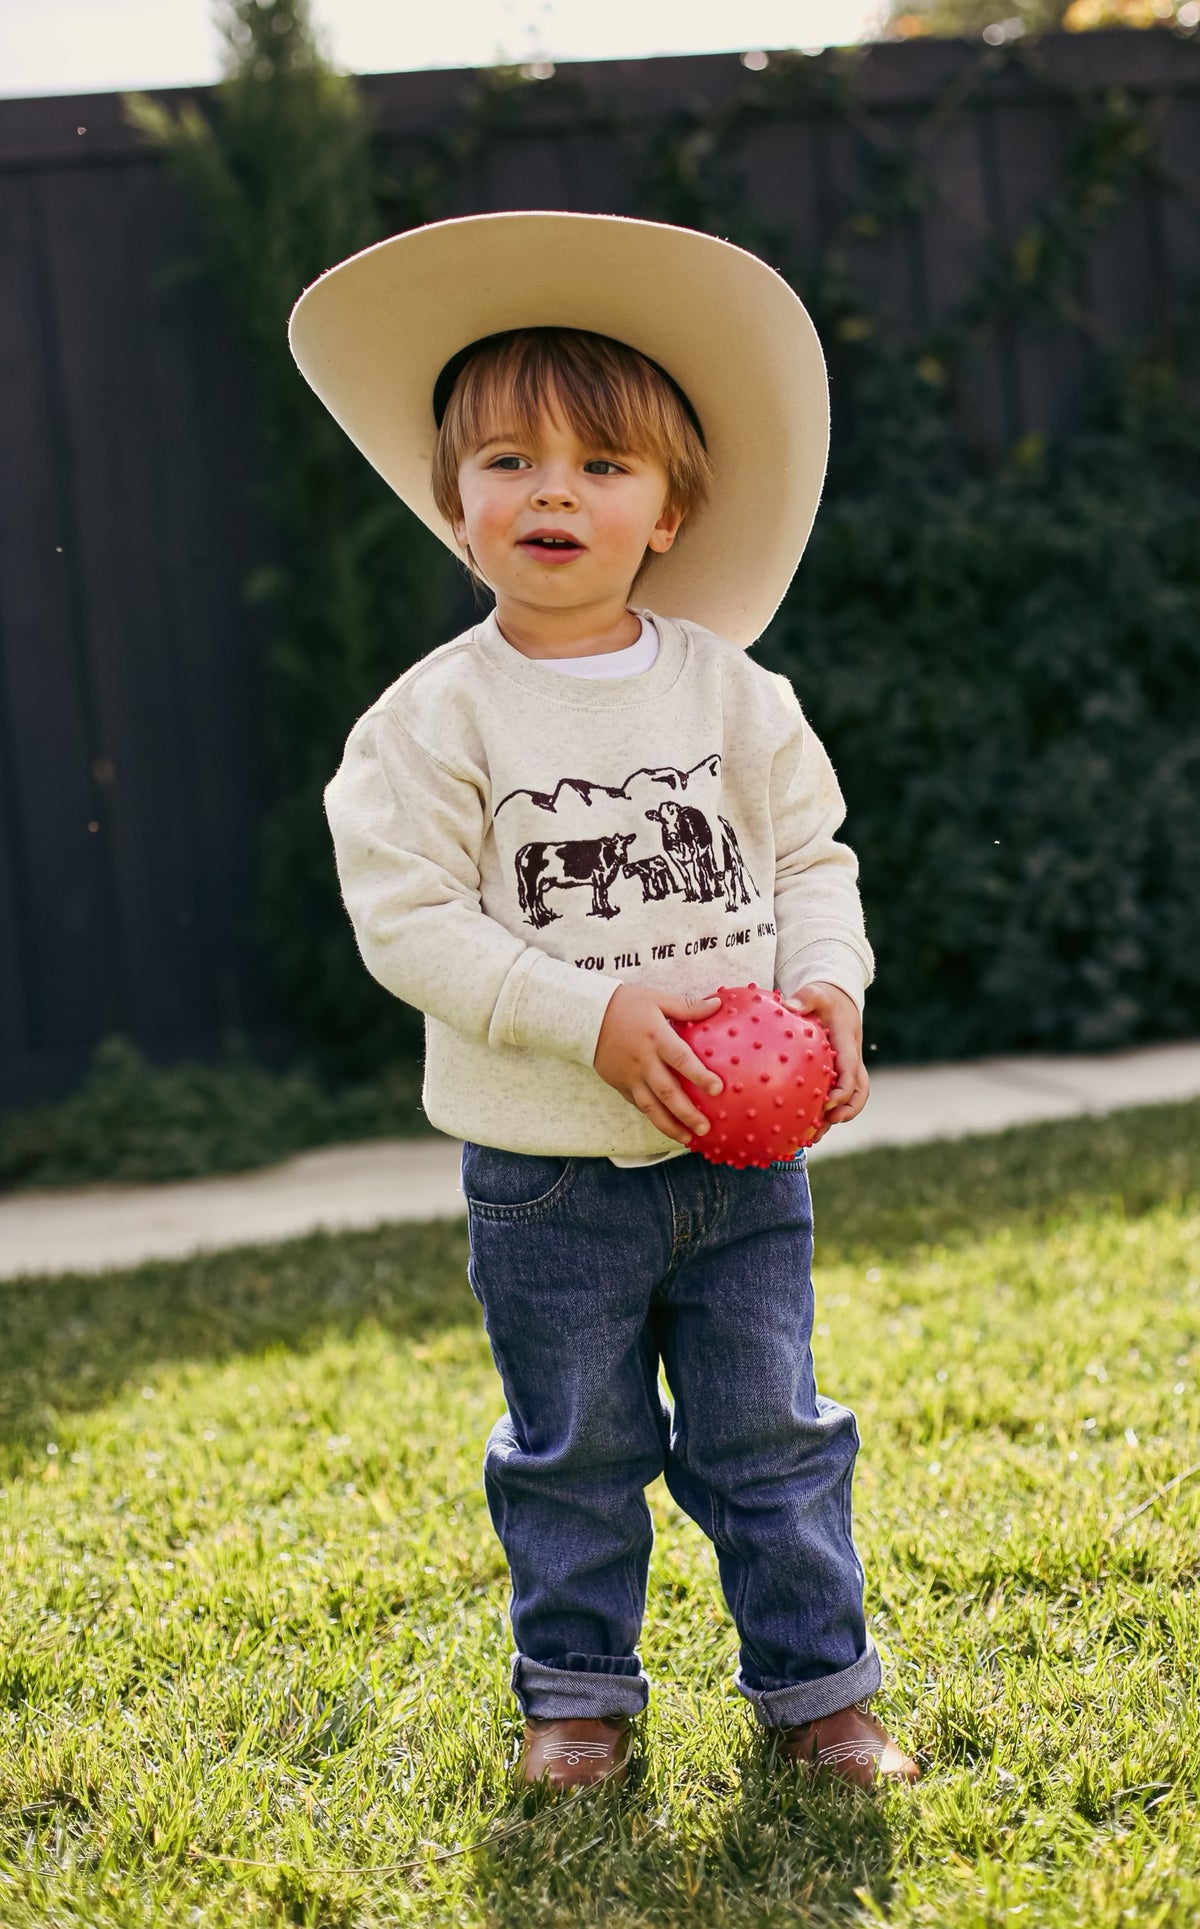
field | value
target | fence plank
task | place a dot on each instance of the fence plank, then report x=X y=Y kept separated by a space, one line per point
x=65 y=955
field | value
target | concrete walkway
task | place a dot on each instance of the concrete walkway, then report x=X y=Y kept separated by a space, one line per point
x=98 y=1227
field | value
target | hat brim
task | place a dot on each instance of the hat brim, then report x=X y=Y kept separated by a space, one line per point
x=372 y=335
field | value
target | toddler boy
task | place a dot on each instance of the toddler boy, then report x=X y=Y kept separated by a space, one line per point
x=559 y=832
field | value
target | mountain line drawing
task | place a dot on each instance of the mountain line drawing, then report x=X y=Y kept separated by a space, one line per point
x=585 y=790
x=691 y=856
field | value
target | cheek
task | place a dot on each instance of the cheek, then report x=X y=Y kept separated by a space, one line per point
x=485 y=515
x=629 y=523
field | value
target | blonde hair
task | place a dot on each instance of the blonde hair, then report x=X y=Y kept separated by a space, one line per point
x=609 y=394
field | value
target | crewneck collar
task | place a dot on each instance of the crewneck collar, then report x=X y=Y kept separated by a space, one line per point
x=587 y=693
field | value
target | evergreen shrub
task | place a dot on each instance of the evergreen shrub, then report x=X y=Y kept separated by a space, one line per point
x=135 y=1123
x=1006 y=672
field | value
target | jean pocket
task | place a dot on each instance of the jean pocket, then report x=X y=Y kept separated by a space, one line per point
x=502 y=1184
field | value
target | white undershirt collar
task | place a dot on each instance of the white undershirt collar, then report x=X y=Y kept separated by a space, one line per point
x=638 y=656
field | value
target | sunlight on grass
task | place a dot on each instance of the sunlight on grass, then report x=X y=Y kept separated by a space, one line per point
x=252 y=1607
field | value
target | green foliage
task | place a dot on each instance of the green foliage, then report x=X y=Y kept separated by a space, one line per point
x=966 y=19
x=1001 y=20
x=254 y=1652
x=134 y=1122
x=998 y=644
x=1006 y=675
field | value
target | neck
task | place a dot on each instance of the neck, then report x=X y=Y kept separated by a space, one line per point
x=592 y=630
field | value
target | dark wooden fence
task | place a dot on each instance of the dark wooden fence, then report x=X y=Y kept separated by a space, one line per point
x=132 y=767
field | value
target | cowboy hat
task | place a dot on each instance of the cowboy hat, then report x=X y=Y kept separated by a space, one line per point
x=373 y=334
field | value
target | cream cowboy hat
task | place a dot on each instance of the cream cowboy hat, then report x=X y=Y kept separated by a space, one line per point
x=374 y=333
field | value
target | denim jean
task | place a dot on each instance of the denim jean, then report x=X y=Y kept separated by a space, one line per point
x=589 y=1275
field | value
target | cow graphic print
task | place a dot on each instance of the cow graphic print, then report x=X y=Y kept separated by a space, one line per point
x=691 y=852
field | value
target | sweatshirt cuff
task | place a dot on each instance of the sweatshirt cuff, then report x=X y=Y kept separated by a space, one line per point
x=549 y=1006
x=826 y=962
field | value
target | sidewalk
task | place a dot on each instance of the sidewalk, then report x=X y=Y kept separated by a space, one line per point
x=98 y=1227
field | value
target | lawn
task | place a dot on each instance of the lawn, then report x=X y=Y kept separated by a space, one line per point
x=253 y=1648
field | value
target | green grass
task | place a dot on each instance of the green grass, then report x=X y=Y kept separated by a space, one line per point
x=251 y=1606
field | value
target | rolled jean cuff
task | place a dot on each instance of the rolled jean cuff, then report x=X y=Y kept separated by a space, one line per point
x=800 y=1701
x=580 y=1694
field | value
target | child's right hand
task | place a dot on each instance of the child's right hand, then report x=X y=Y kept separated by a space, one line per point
x=639 y=1054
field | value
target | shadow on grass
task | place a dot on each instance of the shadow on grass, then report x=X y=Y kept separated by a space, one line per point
x=68 y=1345
x=779 y=1849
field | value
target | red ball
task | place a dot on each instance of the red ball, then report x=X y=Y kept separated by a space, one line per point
x=778 y=1070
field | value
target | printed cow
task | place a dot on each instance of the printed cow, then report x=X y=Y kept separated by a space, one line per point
x=592 y=861
x=655 y=875
x=735 y=878
x=687 y=839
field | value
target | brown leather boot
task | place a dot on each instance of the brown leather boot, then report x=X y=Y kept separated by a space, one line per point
x=576 y=1753
x=851 y=1744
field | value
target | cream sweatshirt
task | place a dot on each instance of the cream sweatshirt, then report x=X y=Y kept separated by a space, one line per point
x=512 y=844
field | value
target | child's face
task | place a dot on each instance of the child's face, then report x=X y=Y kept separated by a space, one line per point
x=608 y=503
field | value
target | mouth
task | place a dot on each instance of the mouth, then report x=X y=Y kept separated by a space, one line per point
x=551 y=547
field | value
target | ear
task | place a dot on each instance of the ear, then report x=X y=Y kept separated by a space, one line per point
x=665 y=530
x=458 y=525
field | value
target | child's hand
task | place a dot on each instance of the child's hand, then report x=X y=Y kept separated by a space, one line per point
x=638 y=1053
x=839 y=1015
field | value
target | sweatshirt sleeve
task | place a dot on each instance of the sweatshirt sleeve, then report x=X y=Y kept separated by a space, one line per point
x=818 y=912
x=407 y=835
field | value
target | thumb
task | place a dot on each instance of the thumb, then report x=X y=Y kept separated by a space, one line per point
x=676 y=1005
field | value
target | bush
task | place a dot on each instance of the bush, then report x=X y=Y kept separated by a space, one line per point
x=138 y=1122
x=1005 y=672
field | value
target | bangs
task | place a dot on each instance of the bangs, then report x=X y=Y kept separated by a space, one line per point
x=613 y=399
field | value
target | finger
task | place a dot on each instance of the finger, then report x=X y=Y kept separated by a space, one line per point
x=669 y=1092
x=675 y=1005
x=658 y=1115
x=851 y=1108
x=841 y=1094
x=826 y=1013
x=844 y=1081
x=678 y=1054
x=809 y=998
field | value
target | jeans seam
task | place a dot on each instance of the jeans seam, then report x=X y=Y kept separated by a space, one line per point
x=724 y=1545
x=847 y=1505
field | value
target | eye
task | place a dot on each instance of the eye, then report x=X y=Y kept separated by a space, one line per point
x=507 y=462
x=602 y=462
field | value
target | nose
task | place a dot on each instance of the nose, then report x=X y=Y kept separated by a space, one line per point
x=554 y=487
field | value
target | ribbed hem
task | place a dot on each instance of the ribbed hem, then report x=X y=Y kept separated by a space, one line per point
x=579 y=1694
x=800 y=1701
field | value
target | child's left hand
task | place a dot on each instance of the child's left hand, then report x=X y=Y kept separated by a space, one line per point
x=840 y=1017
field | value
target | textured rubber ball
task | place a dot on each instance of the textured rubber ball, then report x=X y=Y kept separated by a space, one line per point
x=798 y=1080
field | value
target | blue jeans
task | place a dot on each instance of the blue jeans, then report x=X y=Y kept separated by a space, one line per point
x=589 y=1274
